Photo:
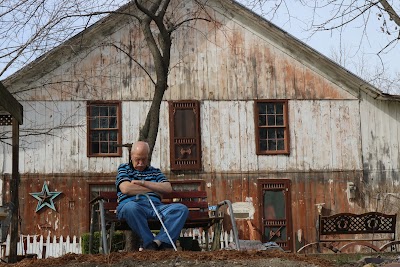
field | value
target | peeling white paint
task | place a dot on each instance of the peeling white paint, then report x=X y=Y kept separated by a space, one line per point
x=56 y=224
x=299 y=235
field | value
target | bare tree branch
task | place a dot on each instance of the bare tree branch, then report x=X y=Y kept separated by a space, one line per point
x=389 y=9
x=175 y=27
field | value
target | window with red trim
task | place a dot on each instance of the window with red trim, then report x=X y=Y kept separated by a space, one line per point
x=272 y=128
x=104 y=128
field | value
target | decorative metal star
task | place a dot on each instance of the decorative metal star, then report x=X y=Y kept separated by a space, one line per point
x=45 y=198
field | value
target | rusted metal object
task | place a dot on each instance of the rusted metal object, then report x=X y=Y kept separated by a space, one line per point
x=332 y=229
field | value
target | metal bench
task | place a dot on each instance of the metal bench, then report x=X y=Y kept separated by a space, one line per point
x=334 y=229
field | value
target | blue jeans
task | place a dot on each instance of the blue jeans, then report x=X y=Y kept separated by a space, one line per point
x=136 y=213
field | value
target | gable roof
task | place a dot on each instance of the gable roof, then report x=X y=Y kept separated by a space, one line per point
x=325 y=66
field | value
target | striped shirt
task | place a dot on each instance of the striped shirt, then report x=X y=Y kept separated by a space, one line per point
x=128 y=173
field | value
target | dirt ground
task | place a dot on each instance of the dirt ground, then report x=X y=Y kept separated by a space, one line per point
x=223 y=258
x=180 y=258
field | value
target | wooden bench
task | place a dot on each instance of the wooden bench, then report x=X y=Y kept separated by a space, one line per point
x=196 y=201
x=333 y=229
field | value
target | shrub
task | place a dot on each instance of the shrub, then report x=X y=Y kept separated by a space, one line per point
x=116 y=244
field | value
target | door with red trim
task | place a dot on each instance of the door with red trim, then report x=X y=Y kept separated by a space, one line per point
x=276 y=212
x=185 y=143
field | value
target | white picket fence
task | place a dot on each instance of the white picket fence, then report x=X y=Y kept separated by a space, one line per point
x=45 y=247
x=197 y=234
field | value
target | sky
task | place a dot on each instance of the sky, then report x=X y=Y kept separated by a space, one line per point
x=360 y=51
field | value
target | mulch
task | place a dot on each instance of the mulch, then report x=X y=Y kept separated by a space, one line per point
x=153 y=256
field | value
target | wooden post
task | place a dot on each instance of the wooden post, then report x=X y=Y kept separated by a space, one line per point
x=14 y=184
x=15 y=109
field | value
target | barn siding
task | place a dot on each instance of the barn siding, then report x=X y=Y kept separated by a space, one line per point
x=228 y=147
x=380 y=125
x=307 y=189
x=337 y=133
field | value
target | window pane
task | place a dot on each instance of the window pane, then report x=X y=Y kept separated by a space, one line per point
x=281 y=145
x=113 y=136
x=95 y=147
x=271 y=134
x=270 y=108
x=263 y=133
x=113 y=147
x=94 y=123
x=280 y=133
x=103 y=136
x=271 y=120
x=104 y=111
x=271 y=144
x=94 y=111
x=113 y=111
x=95 y=136
x=113 y=122
x=104 y=147
x=261 y=108
x=104 y=123
x=279 y=108
x=263 y=145
x=279 y=120
x=262 y=120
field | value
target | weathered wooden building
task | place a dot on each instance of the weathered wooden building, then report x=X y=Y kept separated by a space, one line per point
x=260 y=117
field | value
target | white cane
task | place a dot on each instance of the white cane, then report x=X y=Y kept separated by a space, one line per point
x=159 y=218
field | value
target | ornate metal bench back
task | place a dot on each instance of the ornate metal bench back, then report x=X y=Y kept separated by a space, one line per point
x=366 y=223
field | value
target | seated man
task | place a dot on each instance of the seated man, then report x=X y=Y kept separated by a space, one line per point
x=141 y=178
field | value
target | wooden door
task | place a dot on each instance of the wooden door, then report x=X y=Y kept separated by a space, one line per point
x=276 y=212
x=185 y=143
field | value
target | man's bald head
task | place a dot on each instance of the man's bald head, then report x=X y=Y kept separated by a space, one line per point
x=140 y=155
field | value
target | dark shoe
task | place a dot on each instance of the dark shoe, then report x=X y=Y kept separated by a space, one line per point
x=152 y=246
x=166 y=246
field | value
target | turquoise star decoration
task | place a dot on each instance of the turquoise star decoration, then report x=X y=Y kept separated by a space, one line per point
x=45 y=198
